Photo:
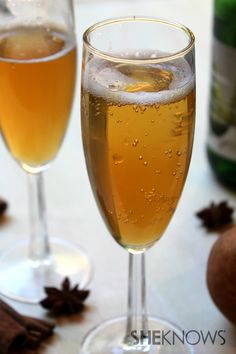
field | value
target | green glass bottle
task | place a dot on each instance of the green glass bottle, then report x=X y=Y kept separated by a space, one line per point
x=221 y=146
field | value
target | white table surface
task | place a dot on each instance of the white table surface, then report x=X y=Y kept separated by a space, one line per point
x=176 y=266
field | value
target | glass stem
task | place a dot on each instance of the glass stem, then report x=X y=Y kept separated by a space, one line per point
x=39 y=249
x=137 y=310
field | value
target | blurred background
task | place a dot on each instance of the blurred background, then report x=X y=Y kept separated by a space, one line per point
x=176 y=266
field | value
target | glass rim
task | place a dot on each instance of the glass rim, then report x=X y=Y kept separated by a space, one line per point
x=116 y=20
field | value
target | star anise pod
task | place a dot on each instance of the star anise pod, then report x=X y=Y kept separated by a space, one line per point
x=3 y=206
x=216 y=215
x=65 y=301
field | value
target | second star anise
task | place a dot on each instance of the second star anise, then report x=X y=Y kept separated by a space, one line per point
x=216 y=216
x=65 y=301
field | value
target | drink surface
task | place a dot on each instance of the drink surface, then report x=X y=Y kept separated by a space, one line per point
x=138 y=126
x=37 y=78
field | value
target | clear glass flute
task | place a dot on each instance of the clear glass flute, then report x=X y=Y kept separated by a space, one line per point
x=138 y=111
x=37 y=80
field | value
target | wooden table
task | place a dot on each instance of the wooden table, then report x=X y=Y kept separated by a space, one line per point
x=176 y=266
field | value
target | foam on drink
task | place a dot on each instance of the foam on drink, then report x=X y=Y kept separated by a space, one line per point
x=110 y=81
x=32 y=44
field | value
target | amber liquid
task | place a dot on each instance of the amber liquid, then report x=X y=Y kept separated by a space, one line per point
x=37 y=79
x=137 y=155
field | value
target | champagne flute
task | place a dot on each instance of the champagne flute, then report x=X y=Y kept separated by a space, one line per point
x=37 y=80
x=138 y=111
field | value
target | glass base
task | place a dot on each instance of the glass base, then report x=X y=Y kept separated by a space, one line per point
x=108 y=338
x=23 y=280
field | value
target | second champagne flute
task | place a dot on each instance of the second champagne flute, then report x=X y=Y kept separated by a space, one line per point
x=37 y=80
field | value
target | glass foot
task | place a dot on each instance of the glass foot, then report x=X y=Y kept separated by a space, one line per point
x=22 y=280
x=108 y=338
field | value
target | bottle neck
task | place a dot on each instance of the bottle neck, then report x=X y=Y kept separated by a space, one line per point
x=224 y=21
